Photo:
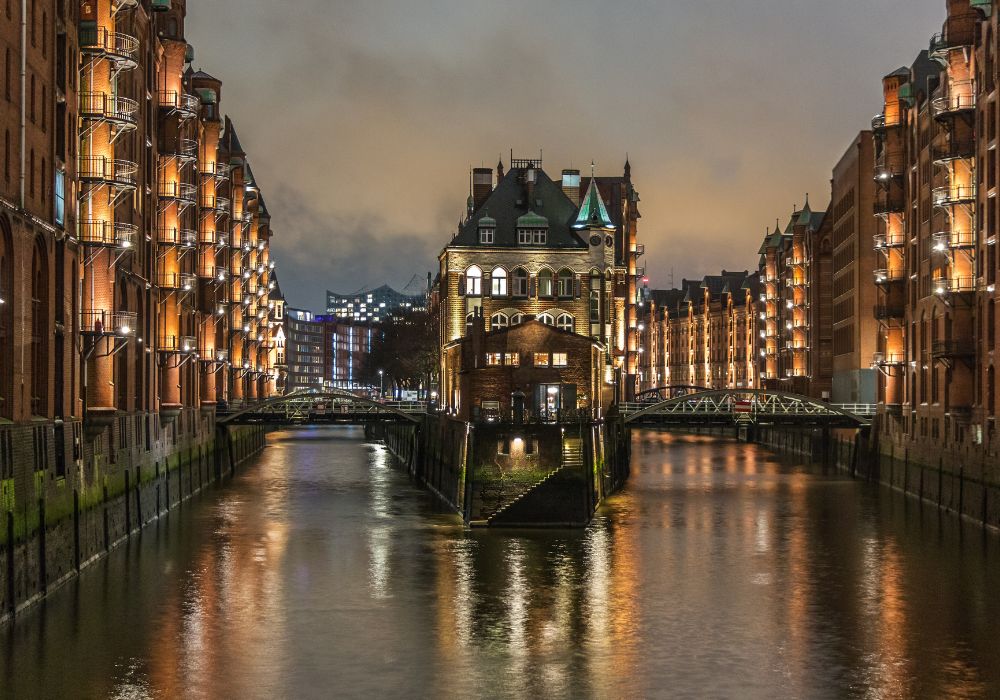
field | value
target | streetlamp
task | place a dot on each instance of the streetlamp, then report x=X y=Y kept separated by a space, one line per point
x=381 y=395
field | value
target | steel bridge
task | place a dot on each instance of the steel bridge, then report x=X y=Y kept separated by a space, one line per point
x=328 y=407
x=740 y=406
x=663 y=393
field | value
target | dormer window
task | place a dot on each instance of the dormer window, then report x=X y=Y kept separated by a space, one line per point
x=532 y=229
x=486 y=235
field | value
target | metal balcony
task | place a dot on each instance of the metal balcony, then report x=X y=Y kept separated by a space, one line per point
x=180 y=103
x=959 y=32
x=117 y=47
x=98 y=322
x=952 y=349
x=943 y=286
x=182 y=344
x=889 y=359
x=180 y=237
x=102 y=107
x=640 y=250
x=950 y=105
x=215 y=203
x=885 y=311
x=178 y=191
x=953 y=151
x=180 y=281
x=121 y=5
x=185 y=150
x=885 y=276
x=947 y=241
x=885 y=241
x=954 y=194
x=112 y=172
x=107 y=234
x=886 y=206
x=217 y=170
x=878 y=123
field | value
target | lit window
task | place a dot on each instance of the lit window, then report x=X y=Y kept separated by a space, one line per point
x=545 y=284
x=540 y=359
x=559 y=359
x=494 y=359
x=474 y=281
x=565 y=323
x=499 y=287
x=498 y=321
x=512 y=359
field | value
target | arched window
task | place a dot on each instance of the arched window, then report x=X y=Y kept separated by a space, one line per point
x=565 y=323
x=499 y=286
x=474 y=281
x=6 y=321
x=40 y=330
x=498 y=321
x=468 y=324
x=519 y=282
x=545 y=288
x=517 y=319
x=547 y=319
x=565 y=283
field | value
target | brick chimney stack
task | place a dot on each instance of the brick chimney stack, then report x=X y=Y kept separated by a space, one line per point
x=482 y=185
x=571 y=185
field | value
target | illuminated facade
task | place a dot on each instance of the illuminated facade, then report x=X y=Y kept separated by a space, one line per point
x=535 y=249
x=373 y=305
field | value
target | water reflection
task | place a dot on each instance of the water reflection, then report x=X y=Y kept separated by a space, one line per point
x=720 y=572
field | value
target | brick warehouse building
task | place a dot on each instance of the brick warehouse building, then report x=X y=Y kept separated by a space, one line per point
x=532 y=248
x=134 y=253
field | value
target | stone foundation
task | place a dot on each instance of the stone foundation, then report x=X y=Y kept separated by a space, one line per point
x=66 y=501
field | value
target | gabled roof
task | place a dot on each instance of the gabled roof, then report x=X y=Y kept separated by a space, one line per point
x=508 y=203
x=593 y=213
x=275 y=294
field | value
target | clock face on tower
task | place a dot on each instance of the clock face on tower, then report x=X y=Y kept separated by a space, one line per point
x=595 y=240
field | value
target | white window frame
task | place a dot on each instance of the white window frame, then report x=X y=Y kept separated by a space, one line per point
x=498 y=282
x=487 y=235
x=474 y=281
x=524 y=236
x=565 y=322
x=515 y=282
x=539 y=236
x=499 y=321
x=547 y=319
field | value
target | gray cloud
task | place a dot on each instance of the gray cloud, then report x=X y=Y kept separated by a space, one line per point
x=362 y=117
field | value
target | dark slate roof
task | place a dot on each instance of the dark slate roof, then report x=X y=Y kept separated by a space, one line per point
x=752 y=284
x=726 y=282
x=509 y=202
x=202 y=75
x=230 y=141
x=275 y=294
x=668 y=299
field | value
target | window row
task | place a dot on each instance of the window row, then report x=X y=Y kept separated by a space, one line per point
x=500 y=320
x=538 y=359
x=519 y=284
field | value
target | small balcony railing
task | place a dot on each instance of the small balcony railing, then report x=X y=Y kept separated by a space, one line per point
x=182 y=344
x=182 y=103
x=953 y=150
x=886 y=276
x=887 y=205
x=889 y=312
x=878 y=122
x=115 y=46
x=178 y=191
x=885 y=241
x=220 y=171
x=945 y=241
x=213 y=202
x=944 y=286
x=953 y=349
x=108 y=234
x=889 y=359
x=180 y=281
x=959 y=32
x=100 y=106
x=112 y=172
x=954 y=194
x=183 y=149
x=181 y=237
x=948 y=105
x=105 y=323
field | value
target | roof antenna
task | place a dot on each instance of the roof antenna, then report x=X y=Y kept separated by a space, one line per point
x=591 y=169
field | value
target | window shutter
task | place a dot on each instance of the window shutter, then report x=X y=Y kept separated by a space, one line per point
x=461 y=285
x=577 y=292
x=532 y=285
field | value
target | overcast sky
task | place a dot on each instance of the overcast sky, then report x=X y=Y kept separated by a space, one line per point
x=362 y=117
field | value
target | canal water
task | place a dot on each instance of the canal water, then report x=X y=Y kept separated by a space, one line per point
x=720 y=572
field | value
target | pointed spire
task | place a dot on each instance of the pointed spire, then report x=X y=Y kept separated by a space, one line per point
x=628 y=167
x=593 y=213
x=500 y=169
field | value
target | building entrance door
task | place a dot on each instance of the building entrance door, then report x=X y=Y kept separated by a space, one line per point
x=549 y=401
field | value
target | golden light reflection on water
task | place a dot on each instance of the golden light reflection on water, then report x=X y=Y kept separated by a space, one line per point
x=719 y=572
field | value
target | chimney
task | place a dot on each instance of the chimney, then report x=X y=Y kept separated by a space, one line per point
x=530 y=179
x=571 y=185
x=482 y=186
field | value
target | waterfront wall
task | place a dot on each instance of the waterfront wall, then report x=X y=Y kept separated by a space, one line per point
x=959 y=481
x=66 y=501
